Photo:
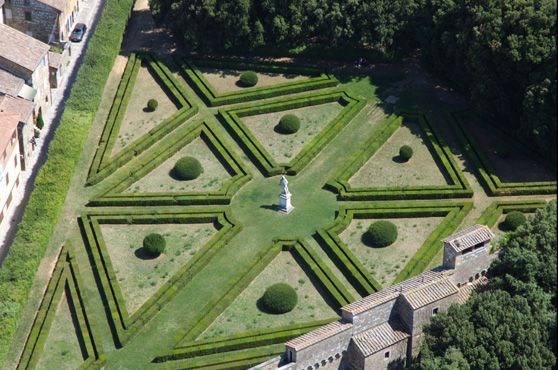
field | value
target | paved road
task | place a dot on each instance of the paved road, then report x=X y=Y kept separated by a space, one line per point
x=89 y=14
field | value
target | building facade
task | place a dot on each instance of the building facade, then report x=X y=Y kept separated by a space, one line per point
x=50 y=21
x=10 y=168
x=26 y=126
x=385 y=329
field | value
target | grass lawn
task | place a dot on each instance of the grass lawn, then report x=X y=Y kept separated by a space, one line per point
x=139 y=275
x=62 y=347
x=137 y=119
x=226 y=80
x=385 y=263
x=385 y=169
x=243 y=314
x=282 y=147
x=160 y=180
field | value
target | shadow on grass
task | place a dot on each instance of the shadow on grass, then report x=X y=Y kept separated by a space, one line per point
x=142 y=254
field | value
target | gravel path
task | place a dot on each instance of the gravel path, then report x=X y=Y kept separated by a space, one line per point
x=89 y=14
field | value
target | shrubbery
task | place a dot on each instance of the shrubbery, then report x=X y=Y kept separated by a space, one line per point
x=40 y=122
x=152 y=105
x=248 y=79
x=154 y=244
x=514 y=219
x=288 y=124
x=380 y=234
x=405 y=153
x=279 y=298
x=187 y=168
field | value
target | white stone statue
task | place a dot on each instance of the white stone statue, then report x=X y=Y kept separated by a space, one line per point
x=285 y=205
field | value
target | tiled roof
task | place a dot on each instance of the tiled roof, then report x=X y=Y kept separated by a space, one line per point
x=20 y=49
x=469 y=237
x=8 y=123
x=429 y=293
x=23 y=107
x=318 y=335
x=390 y=293
x=9 y=83
x=466 y=290
x=56 y=4
x=379 y=337
x=54 y=59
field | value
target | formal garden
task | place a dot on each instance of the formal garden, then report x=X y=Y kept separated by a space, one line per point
x=168 y=250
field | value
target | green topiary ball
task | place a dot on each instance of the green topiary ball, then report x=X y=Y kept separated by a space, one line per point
x=154 y=244
x=380 y=234
x=279 y=298
x=288 y=124
x=405 y=153
x=187 y=168
x=248 y=79
x=152 y=105
x=513 y=220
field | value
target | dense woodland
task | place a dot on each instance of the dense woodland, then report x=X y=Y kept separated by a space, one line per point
x=511 y=324
x=502 y=54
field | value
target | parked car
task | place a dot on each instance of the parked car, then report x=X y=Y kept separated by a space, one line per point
x=78 y=32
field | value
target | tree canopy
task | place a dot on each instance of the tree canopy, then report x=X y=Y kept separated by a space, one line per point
x=512 y=323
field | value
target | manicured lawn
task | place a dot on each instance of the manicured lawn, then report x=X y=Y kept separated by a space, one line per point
x=226 y=80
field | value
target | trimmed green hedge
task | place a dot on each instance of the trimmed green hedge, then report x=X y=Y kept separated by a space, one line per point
x=381 y=234
x=65 y=278
x=493 y=212
x=353 y=269
x=288 y=124
x=51 y=184
x=187 y=168
x=248 y=79
x=213 y=98
x=124 y=325
x=279 y=298
x=249 y=339
x=231 y=118
x=104 y=163
x=488 y=178
x=116 y=196
x=459 y=187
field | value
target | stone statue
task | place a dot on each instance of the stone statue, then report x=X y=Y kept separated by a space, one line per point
x=285 y=205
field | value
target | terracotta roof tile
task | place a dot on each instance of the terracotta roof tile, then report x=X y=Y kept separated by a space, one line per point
x=23 y=107
x=469 y=237
x=379 y=337
x=8 y=123
x=20 y=49
x=9 y=83
x=429 y=293
x=318 y=335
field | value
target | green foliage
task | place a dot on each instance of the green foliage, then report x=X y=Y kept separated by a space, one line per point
x=512 y=323
x=51 y=185
x=187 y=168
x=514 y=219
x=154 y=244
x=152 y=105
x=279 y=298
x=380 y=234
x=40 y=121
x=248 y=79
x=405 y=153
x=288 y=124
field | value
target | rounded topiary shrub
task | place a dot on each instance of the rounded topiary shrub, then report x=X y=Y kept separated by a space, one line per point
x=405 y=153
x=279 y=298
x=513 y=220
x=380 y=234
x=248 y=79
x=288 y=124
x=152 y=105
x=154 y=244
x=187 y=168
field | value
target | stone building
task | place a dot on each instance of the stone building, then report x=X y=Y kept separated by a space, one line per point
x=27 y=59
x=26 y=127
x=384 y=330
x=2 y=11
x=9 y=160
x=50 y=21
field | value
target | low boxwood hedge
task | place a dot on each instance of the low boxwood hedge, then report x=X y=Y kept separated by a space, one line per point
x=248 y=79
x=152 y=105
x=52 y=182
x=380 y=234
x=187 y=168
x=154 y=244
x=514 y=219
x=288 y=124
x=279 y=298
x=405 y=153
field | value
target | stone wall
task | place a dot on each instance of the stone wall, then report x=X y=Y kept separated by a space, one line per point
x=43 y=23
x=395 y=361
x=324 y=352
x=41 y=82
x=470 y=266
x=373 y=317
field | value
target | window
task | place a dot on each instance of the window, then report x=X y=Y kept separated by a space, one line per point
x=435 y=311
x=28 y=16
x=386 y=355
x=15 y=160
x=7 y=179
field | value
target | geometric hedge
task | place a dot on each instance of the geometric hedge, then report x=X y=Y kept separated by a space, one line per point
x=65 y=279
x=123 y=324
x=181 y=137
x=349 y=264
x=459 y=187
x=103 y=163
x=231 y=118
